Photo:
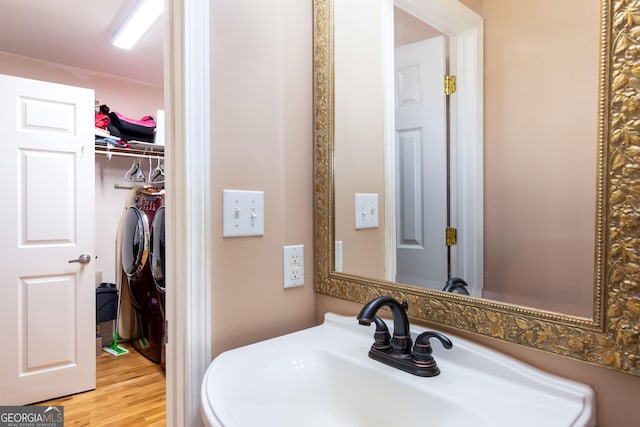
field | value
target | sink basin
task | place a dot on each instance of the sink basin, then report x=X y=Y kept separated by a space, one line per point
x=322 y=376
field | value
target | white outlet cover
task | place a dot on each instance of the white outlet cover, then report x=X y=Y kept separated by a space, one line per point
x=366 y=211
x=243 y=213
x=293 y=272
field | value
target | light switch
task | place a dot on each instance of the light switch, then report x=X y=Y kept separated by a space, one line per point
x=243 y=213
x=366 y=211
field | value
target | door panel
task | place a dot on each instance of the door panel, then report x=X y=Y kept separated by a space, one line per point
x=48 y=214
x=43 y=346
x=410 y=183
x=47 y=304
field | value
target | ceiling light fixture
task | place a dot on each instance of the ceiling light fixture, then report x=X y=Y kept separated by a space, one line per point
x=137 y=24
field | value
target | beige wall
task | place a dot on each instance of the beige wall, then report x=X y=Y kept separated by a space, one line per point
x=541 y=79
x=409 y=29
x=131 y=98
x=262 y=138
x=475 y=5
x=359 y=132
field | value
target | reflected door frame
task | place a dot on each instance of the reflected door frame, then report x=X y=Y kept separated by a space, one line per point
x=464 y=29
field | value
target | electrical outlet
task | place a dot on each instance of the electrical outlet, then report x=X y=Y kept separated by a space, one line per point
x=293 y=265
x=295 y=271
x=295 y=258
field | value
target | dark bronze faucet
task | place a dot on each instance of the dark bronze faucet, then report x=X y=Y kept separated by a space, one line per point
x=456 y=285
x=401 y=340
x=397 y=351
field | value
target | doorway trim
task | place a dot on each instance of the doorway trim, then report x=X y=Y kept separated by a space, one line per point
x=465 y=31
x=188 y=204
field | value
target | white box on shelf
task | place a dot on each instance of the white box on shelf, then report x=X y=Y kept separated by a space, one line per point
x=159 y=137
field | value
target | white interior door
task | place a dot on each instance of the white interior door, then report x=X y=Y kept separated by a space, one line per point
x=47 y=313
x=421 y=163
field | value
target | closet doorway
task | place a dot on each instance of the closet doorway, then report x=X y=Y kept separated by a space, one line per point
x=130 y=89
x=187 y=66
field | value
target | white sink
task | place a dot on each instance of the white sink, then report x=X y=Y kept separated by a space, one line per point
x=322 y=376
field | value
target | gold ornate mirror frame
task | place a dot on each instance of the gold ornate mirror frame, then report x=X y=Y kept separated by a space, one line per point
x=612 y=337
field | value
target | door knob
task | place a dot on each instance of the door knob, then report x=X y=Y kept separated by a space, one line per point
x=82 y=259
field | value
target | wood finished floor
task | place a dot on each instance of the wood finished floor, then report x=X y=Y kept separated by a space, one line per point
x=130 y=391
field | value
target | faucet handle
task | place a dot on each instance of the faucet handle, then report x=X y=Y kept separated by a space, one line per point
x=422 y=350
x=382 y=336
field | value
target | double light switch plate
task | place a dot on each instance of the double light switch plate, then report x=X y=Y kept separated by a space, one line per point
x=243 y=213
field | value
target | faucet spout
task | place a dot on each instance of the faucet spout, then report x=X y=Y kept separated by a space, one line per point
x=401 y=340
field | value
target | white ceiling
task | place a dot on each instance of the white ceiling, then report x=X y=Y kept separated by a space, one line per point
x=78 y=33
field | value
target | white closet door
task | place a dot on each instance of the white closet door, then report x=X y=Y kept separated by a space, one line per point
x=47 y=305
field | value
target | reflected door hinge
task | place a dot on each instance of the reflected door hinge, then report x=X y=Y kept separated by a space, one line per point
x=450 y=236
x=449 y=85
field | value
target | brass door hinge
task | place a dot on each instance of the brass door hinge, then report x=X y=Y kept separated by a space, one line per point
x=450 y=236
x=449 y=85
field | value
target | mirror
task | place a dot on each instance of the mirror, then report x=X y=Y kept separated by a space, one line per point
x=607 y=332
x=433 y=168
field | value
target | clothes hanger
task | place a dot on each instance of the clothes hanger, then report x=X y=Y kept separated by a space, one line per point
x=135 y=173
x=157 y=175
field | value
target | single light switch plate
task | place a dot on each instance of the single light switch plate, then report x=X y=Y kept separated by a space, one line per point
x=293 y=265
x=243 y=213
x=366 y=211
